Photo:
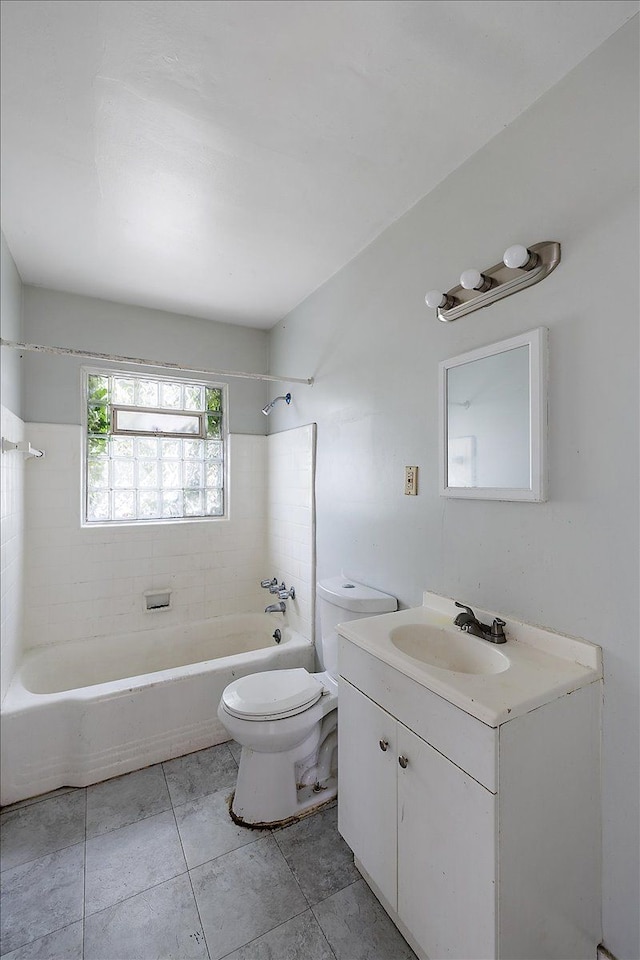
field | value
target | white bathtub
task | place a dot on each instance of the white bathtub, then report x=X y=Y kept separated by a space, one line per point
x=80 y=712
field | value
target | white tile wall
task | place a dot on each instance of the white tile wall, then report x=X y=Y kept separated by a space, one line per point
x=12 y=470
x=82 y=582
x=291 y=519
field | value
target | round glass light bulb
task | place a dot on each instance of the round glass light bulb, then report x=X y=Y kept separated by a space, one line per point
x=516 y=256
x=435 y=299
x=471 y=279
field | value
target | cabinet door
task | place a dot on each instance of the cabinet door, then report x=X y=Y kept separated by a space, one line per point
x=446 y=854
x=367 y=810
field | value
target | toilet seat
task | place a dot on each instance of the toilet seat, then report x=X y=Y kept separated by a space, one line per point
x=272 y=694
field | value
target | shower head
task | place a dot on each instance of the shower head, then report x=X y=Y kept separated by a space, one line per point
x=268 y=407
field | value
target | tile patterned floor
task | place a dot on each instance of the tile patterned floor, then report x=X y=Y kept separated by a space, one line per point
x=149 y=866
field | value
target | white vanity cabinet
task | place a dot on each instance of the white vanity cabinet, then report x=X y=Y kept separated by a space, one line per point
x=424 y=834
x=446 y=853
x=368 y=804
x=480 y=842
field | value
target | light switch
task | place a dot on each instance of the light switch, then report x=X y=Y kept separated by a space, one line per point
x=411 y=481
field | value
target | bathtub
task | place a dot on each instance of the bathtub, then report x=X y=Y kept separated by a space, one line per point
x=84 y=711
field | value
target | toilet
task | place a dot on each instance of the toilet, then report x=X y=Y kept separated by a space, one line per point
x=287 y=720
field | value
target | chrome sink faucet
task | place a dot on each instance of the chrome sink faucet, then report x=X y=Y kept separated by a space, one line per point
x=468 y=622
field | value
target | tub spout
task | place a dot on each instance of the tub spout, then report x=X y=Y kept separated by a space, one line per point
x=279 y=607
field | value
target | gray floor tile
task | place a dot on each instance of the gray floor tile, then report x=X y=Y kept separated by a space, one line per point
x=297 y=939
x=244 y=894
x=207 y=831
x=65 y=944
x=321 y=861
x=200 y=773
x=41 y=828
x=135 y=796
x=129 y=860
x=236 y=750
x=41 y=896
x=38 y=799
x=159 y=924
x=358 y=928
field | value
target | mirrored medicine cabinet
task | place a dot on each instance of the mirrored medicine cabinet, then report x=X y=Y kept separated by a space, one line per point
x=493 y=418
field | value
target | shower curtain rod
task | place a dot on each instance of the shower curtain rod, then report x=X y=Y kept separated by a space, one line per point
x=163 y=364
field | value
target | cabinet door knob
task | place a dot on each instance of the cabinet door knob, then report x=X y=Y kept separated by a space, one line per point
x=384 y=745
x=404 y=762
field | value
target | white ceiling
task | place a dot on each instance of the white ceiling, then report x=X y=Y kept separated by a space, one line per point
x=223 y=159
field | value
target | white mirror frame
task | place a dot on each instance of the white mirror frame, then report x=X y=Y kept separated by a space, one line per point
x=537 y=341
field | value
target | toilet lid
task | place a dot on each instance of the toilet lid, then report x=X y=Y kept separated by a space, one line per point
x=272 y=694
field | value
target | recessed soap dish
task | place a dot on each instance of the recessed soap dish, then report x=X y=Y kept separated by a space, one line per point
x=155 y=600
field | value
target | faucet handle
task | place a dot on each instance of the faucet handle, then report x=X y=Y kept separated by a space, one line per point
x=268 y=583
x=465 y=607
x=497 y=629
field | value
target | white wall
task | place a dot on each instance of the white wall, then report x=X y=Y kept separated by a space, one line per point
x=566 y=170
x=291 y=520
x=11 y=327
x=82 y=582
x=52 y=385
x=12 y=468
x=89 y=581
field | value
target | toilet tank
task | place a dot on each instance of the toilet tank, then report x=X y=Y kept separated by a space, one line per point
x=339 y=600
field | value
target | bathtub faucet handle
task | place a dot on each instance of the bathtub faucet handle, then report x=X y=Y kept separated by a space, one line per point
x=285 y=594
x=267 y=584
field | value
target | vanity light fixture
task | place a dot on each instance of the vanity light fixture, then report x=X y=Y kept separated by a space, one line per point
x=520 y=267
x=435 y=299
x=519 y=257
x=474 y=280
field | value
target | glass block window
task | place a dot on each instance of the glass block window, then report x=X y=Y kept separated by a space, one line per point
x=155 y=448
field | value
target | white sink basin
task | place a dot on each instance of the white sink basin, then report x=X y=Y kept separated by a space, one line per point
x=492 y=683
x=458 y=652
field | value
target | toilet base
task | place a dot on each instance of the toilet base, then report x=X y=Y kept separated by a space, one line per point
x=311 y=803
x=274 y=788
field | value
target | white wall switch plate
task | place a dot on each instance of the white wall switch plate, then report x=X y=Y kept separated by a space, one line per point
x=411 y=481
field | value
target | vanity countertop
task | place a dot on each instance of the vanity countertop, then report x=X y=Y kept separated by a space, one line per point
x=542 y=665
